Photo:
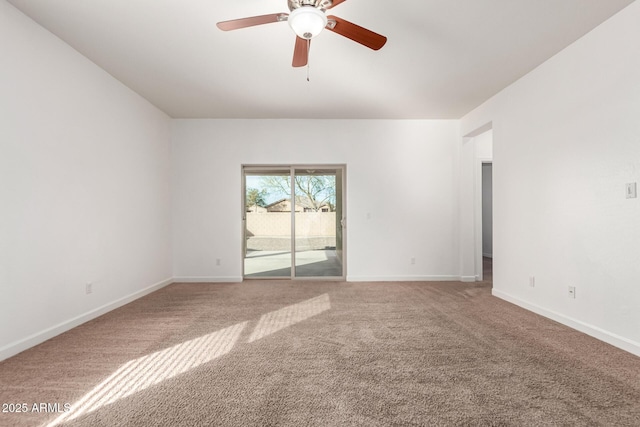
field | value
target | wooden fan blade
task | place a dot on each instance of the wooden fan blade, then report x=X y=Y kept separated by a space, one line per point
x=236 y=24
x=301 y=52
x=356 y=33
x=335 y=3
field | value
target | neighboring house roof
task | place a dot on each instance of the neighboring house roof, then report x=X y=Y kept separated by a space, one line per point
x=276 y=203
x=301 y=203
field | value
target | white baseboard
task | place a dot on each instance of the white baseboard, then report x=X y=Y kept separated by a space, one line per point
x=468 y=278
x=601 y=334
x=212 y=279
x=32 y=340
x=403 y=278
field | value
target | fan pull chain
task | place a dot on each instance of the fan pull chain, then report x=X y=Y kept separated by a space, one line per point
x=308 y=65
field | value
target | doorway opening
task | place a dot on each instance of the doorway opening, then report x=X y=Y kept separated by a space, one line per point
x=487 y=221
x=293 y=222
x=481 y=145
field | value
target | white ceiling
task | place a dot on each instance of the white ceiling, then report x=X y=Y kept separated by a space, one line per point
x=442 y=59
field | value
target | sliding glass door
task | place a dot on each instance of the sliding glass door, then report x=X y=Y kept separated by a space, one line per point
x=294 y=219
x=317 y=219
x=268 y=223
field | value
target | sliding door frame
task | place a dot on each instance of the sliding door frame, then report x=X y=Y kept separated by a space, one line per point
x=339 y=168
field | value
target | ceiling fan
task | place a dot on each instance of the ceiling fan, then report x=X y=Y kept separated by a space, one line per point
x=307 y=19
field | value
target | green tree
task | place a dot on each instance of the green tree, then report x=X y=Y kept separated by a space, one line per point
x=256 y=198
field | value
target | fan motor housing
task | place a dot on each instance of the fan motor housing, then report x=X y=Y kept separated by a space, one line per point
x=320 y=4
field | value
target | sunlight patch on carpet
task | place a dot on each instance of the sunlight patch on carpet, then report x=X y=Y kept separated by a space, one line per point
x=277 y=320
x=146 y=371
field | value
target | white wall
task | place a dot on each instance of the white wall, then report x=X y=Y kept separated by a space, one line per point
x=566 y=140
x=404 y=173
x=84 y=188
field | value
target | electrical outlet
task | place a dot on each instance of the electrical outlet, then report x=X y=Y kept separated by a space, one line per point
x=572 y=291
x=413 y=260
x=218 y=261
x=89 y=288
x=532 y=281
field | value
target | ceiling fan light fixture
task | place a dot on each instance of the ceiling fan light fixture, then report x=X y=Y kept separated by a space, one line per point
x=307 y=21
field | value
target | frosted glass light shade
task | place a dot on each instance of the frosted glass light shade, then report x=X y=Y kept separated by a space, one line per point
x=307 y=21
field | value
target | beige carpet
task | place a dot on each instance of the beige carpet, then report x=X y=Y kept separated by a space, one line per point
x=323 y=354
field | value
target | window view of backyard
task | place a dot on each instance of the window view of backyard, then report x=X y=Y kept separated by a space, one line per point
x=313 y=204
